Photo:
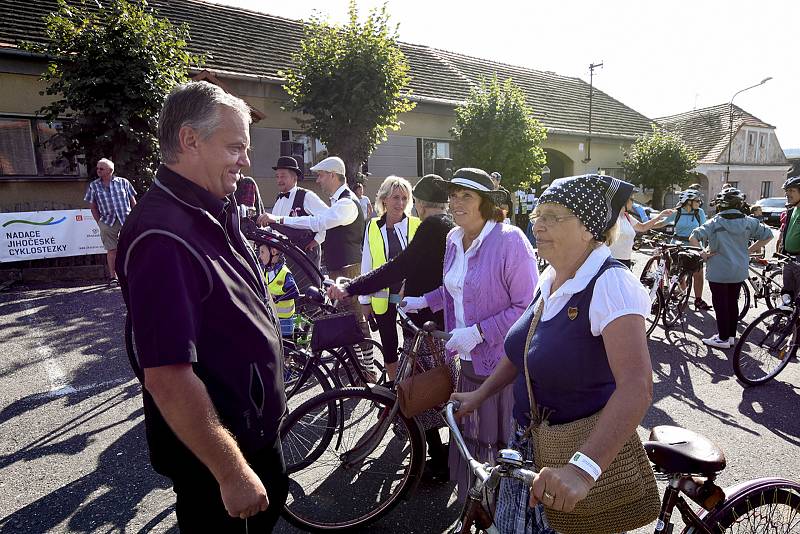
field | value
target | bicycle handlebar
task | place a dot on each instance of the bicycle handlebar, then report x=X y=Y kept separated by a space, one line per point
x=429 y=328
x=509 y=461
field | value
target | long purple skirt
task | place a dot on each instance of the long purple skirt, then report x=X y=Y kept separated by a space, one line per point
x=485 y=431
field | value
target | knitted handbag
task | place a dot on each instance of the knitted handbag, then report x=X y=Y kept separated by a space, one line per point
x=624 y=498
x=426 y=390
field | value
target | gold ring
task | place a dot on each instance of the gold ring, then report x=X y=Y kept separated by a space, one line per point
x=549 y=495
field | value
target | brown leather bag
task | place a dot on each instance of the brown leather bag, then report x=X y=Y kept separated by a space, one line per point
x=426 y=390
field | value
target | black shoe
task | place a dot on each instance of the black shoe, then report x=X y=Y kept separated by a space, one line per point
x=700 y=304
x=435 y=472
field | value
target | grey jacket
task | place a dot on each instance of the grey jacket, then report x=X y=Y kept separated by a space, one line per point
x=728 y=235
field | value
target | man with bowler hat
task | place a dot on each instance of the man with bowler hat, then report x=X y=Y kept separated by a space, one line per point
x=295 y=201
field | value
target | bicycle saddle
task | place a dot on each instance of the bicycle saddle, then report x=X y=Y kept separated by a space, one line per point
x=677 y=450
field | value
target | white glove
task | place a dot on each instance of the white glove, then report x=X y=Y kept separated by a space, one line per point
x=412 y=304
x=463 y=340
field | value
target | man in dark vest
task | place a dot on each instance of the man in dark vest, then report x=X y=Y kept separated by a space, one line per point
x=208 y=343
x=343 y=224
x=294 y=201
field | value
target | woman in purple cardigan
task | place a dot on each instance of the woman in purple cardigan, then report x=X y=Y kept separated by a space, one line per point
x=489 y=278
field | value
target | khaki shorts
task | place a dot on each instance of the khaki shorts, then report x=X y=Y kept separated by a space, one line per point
x=109 y=235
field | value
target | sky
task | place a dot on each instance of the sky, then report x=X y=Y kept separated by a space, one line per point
x=659 y=58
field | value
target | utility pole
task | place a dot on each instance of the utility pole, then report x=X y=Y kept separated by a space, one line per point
x=592 y=66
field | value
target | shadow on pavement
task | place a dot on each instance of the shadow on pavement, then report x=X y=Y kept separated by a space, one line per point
x=774 y=406
x=106 y=499
x=672 y=353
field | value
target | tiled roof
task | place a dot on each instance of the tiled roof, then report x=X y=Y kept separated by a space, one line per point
x=706 y=130
x=259 y=44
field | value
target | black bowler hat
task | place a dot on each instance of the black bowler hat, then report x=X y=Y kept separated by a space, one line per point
x=427 y=190
x=288 y=162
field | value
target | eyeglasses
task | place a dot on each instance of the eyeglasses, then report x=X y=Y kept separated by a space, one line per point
x=551 y=220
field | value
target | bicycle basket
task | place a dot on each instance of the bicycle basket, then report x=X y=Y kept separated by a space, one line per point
x=690 y=261
x=334 y=331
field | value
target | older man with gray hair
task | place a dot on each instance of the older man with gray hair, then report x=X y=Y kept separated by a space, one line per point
x=208 y=343
x=111 y=199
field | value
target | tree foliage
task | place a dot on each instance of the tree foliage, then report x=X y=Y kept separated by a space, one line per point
x=495 y=131
x=349 y=83
x=110 y=68
x=660 y=160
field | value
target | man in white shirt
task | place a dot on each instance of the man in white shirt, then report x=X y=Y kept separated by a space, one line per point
x=297 y=201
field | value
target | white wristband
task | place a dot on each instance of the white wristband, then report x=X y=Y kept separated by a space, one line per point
x=585 y=463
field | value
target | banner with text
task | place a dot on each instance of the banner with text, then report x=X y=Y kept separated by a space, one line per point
x=35 y=235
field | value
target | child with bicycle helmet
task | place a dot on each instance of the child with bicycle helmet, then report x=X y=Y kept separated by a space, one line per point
x=726 y=239
x=789 y=240
x=688 y=216
x=281 y=286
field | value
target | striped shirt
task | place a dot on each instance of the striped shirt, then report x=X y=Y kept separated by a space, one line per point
x=114 y=201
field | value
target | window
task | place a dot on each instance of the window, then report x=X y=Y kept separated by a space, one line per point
x=32 y=147
x=431 y=150
x=751 y=139
x=314 y=150
x=762 y=141
x=766 y=189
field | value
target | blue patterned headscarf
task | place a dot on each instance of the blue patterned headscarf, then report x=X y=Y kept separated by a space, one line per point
x=595 y=200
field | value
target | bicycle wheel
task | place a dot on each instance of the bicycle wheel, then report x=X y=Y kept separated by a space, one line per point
x=651 y=321
x=360 y=465
x=771 y=508
x=304 y=378
x=677 y=298
x=744 y=300
x=765 y=348
x=772 y=290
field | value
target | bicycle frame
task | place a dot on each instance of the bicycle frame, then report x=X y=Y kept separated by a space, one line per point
x=373 y=438
x=509 y=464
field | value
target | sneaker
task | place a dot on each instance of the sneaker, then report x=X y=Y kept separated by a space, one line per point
x=700 y=304
x=732 y=341
x=715 y=341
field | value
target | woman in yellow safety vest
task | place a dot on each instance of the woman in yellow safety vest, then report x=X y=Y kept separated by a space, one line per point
x=385 y=237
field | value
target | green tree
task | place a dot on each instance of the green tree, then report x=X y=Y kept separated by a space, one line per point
x=110 y=68
x=660 y=160
x=495 y=131
x=349 y=83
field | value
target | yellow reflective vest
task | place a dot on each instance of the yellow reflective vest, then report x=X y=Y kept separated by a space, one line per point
x=285 y=307
x=377 y=249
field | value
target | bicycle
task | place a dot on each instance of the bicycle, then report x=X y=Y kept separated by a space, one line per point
x=766 y=284
x=353 y=454
x=668 y=276
x=688 y=461
x=767 y=345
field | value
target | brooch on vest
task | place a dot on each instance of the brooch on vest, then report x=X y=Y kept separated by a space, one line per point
x=572 y=313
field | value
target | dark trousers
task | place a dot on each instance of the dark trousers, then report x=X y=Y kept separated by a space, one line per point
x=725 y=299
x=199 y=504
x=387 y=327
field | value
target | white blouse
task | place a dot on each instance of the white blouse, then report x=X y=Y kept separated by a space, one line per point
x=622 y=247
x=454 y=277
x=617 y=292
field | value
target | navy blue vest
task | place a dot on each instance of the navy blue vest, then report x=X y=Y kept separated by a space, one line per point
x=568 y=365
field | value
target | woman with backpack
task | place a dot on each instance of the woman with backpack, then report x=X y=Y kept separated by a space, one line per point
x=726 y=239
x=688 y=216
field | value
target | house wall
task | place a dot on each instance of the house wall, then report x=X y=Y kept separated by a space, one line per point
x=748 y=179
x=19 y=94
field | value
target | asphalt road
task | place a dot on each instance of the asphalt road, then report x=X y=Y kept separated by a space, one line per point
x=73 y=457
